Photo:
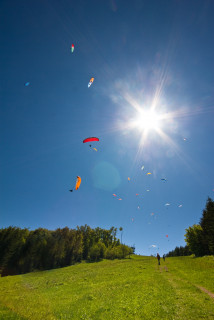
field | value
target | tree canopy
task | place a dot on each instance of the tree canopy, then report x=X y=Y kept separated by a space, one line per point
x=24 y=251
x=200 y=237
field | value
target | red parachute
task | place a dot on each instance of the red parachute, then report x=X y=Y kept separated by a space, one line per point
x=90 y=139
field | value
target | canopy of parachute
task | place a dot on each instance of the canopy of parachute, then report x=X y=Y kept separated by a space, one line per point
x=78 y=182
x=90 y=139
x=90 y=82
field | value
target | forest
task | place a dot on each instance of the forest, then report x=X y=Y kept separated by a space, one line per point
x=23 y=251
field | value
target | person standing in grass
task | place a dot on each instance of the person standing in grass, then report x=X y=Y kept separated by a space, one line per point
x=164 y=257
x=158 y=257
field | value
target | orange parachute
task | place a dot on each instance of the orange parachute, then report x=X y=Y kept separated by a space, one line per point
x=90 y=82
x=78 y=182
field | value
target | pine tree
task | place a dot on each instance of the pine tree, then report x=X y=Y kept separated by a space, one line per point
x=207 y=224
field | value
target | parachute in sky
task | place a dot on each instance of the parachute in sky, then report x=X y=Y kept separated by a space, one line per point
x=27 y=84
x=116 y=196
x=167 y=235
x=163 y=179
x=142 y=168
x=180 y=205
x=72 y=48
x=148 y=173
x=90 y=139
x=128 y=179
x=78 y=182
x=90 y=82
x=167 y=204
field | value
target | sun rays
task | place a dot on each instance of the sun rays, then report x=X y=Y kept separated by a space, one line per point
x=145 y=115
x=155 y=117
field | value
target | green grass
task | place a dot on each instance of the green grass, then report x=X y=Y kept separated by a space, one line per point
x=135 y=288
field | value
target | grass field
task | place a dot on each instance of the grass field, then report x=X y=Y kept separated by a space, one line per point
x=136 y=288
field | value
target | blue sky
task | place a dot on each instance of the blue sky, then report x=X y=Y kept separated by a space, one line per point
x=143 y=55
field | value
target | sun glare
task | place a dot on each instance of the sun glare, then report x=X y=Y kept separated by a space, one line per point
x=148 y=120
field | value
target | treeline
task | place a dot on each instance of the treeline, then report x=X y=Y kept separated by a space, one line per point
x=24 y=251
x=179 y=251
x=199 y=237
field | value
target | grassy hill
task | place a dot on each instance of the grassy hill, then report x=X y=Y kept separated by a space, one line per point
x=136 y=288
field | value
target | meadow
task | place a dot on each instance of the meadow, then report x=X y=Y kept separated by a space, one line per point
x=135 y=288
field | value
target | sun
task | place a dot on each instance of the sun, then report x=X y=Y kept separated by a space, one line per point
x=148 y=120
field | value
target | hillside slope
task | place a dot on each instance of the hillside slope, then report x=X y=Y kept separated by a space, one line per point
x=135 y=288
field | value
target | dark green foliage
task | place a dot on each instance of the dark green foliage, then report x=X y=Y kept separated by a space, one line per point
x=12 y=244
x=133 y=248
x=200 y=238
x=207 y=224
x=24 y=251
x=179 y=251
